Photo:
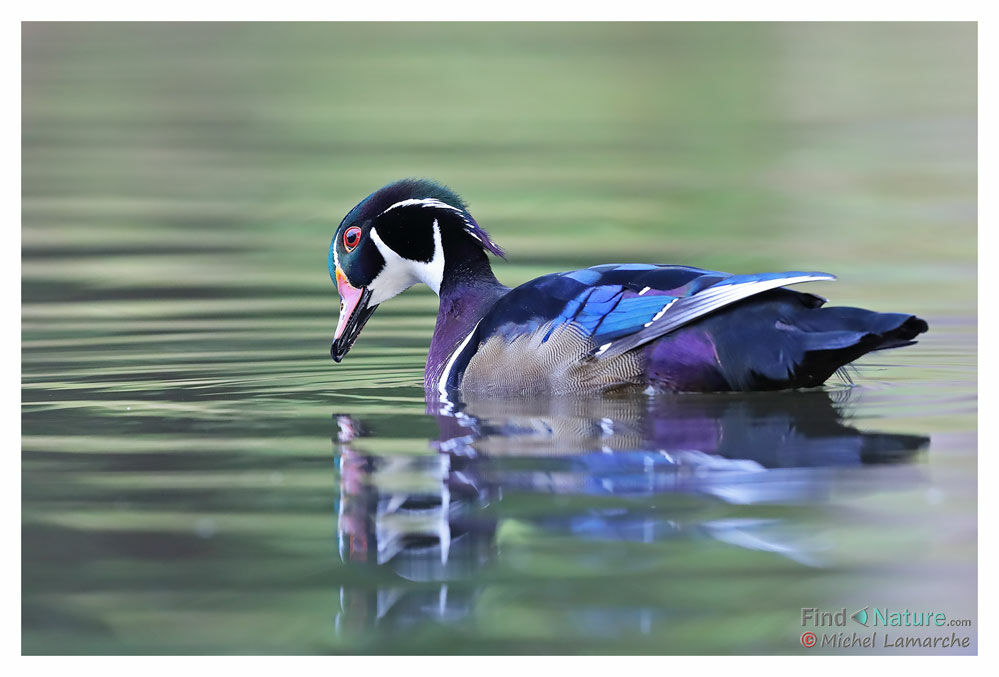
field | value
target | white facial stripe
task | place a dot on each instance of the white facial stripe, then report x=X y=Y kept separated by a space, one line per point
x=434 y=202
x=400 y=273
x=425 y=202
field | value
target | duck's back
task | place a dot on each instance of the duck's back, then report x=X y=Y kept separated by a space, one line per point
x=669 y=327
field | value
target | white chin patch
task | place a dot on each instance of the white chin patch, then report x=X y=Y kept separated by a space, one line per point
x=400 y=273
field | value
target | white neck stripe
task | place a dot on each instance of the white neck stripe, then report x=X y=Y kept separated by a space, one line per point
x=446 y=374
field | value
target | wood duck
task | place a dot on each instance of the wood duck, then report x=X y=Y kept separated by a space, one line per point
x=655 y=327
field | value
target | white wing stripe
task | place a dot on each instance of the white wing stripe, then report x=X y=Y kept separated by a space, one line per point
x=659 y=314
x=690 y=308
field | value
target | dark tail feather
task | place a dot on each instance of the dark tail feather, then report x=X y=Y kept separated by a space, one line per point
x=889 y=326
x=834 y=337
x=785 y=339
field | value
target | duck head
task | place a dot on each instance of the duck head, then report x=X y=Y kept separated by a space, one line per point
x=408 y=232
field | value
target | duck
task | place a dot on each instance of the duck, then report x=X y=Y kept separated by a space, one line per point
x=654 y=327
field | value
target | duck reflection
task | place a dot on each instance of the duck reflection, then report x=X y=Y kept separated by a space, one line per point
x=429 y=521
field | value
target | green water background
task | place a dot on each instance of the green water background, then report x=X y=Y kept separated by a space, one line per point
x=180 y=183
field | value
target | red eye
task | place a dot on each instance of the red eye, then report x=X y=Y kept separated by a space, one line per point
x=351 y=237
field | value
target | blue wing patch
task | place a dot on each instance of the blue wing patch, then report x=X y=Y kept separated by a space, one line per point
x=605 y=313
x=585 y=276
x=601 y=302
x=588 y=308
x=630 y=315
